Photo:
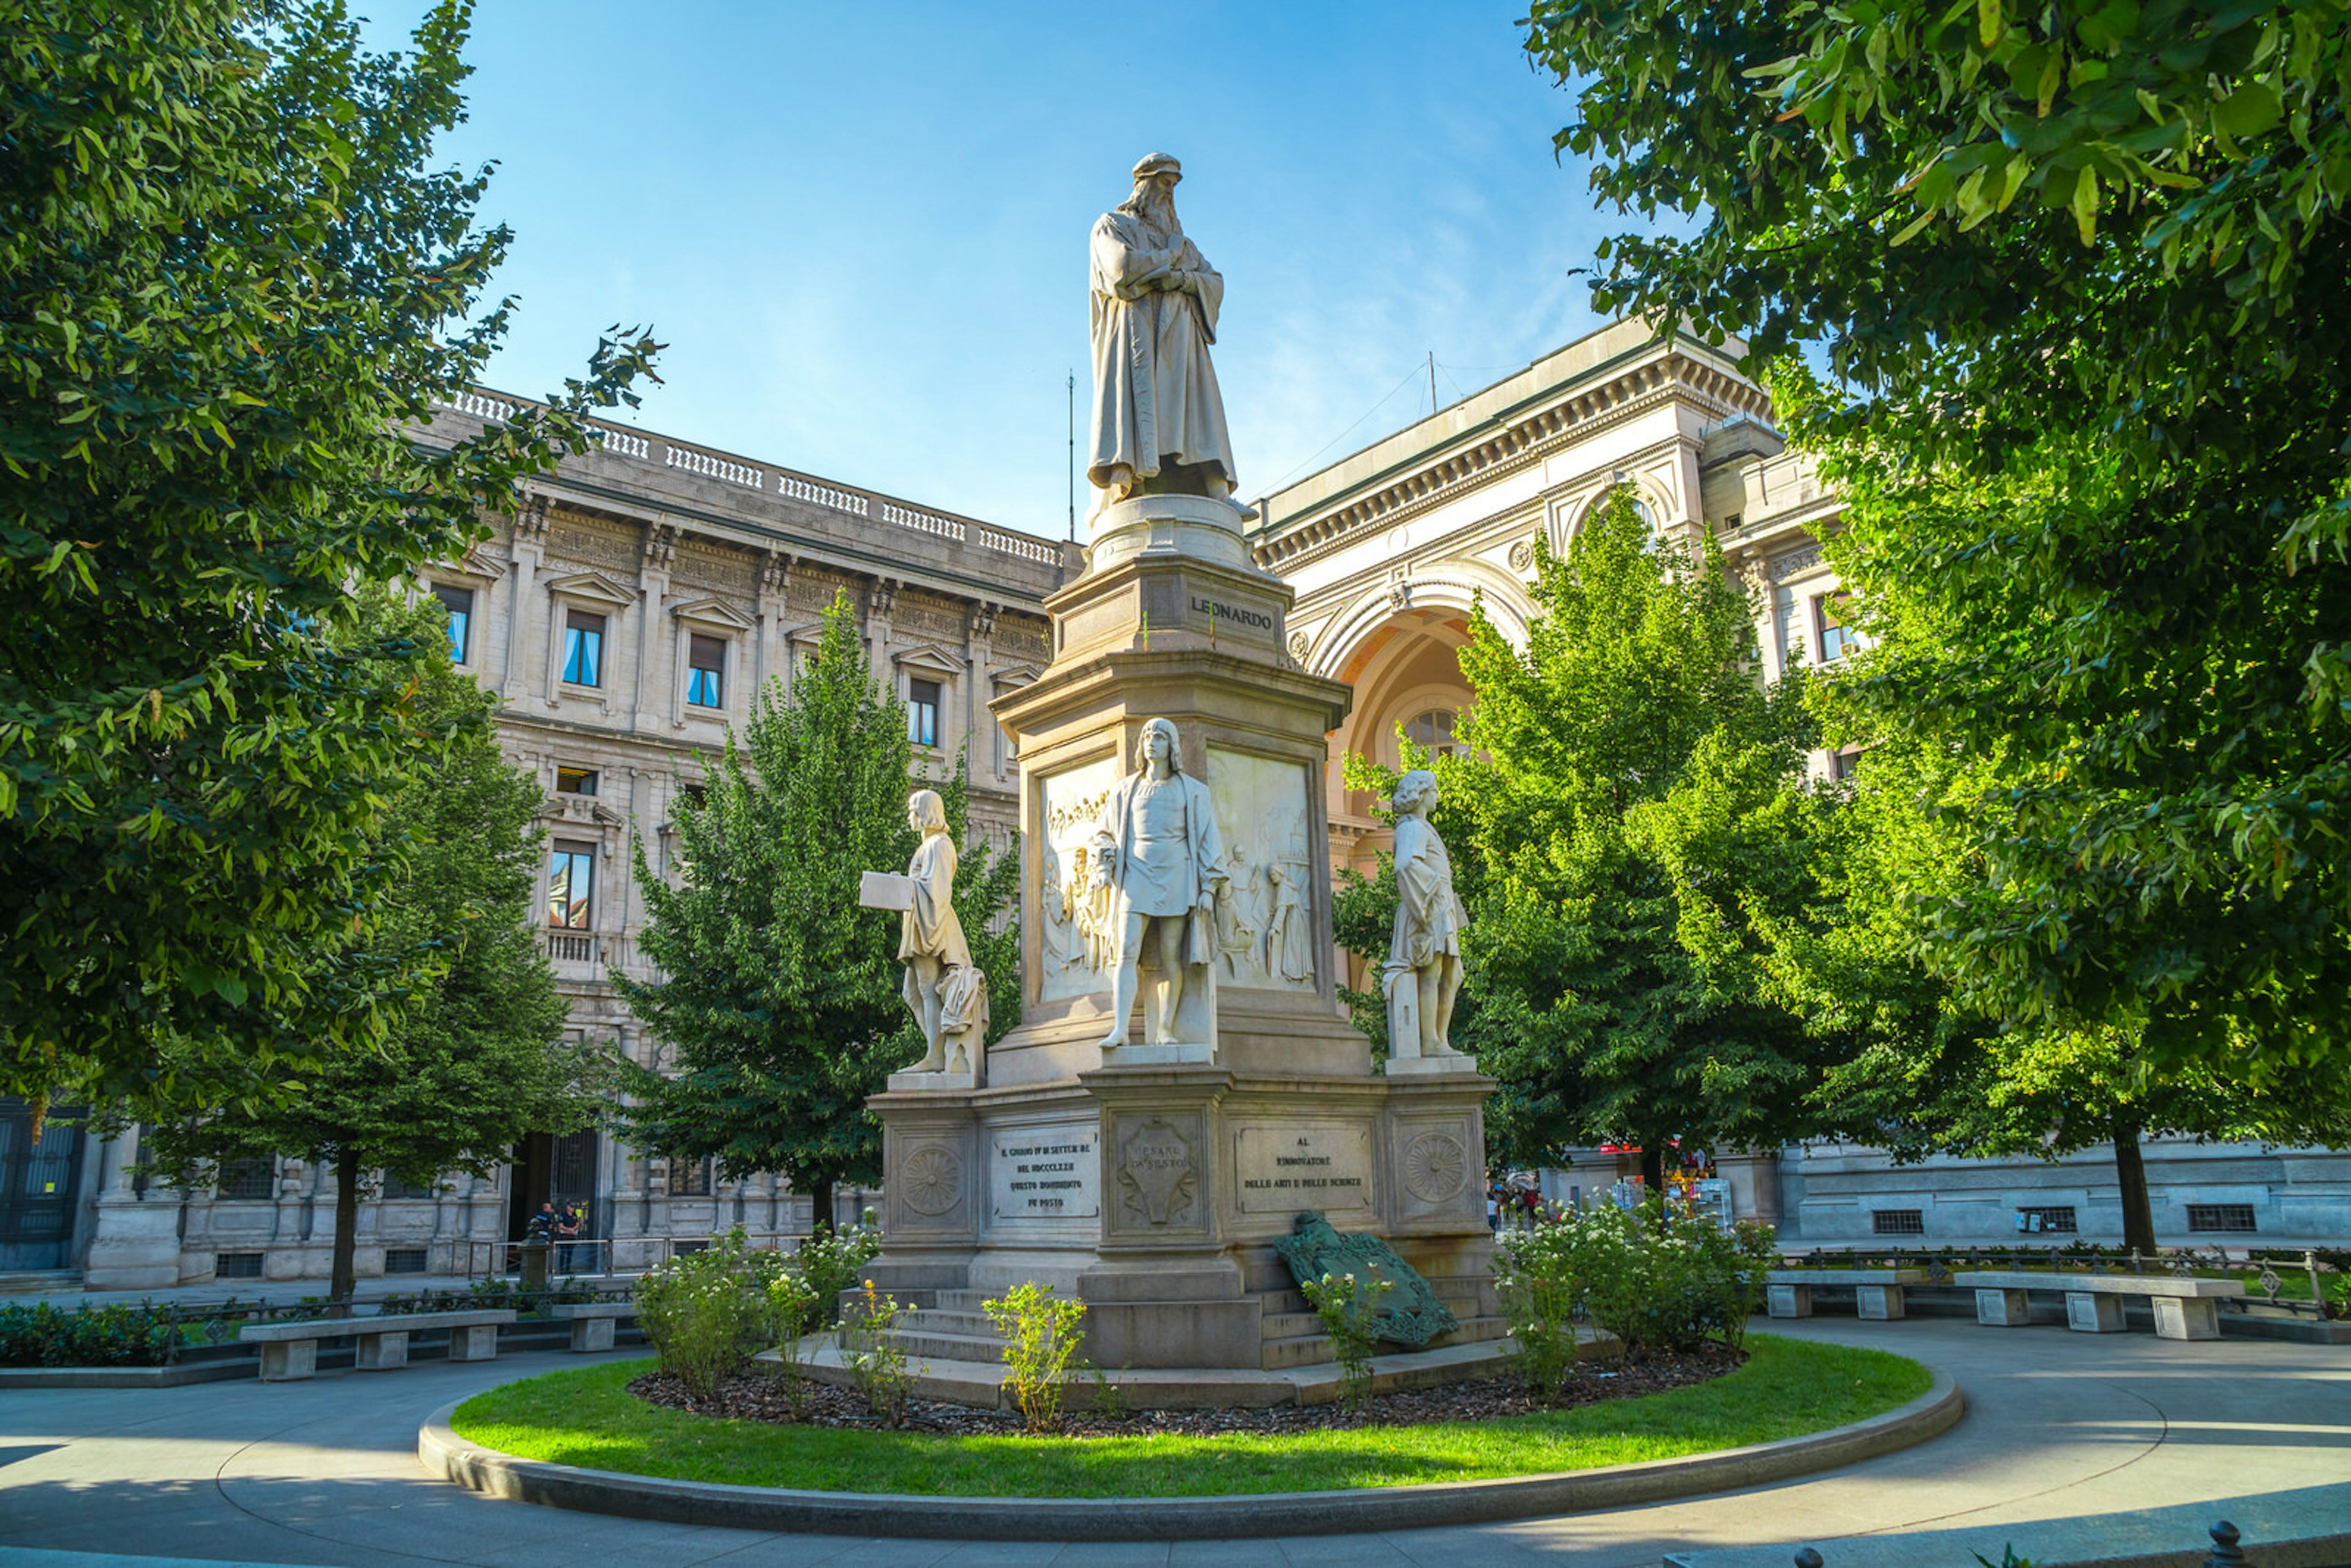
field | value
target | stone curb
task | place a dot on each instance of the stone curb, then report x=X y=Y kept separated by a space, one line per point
x=495 y=1474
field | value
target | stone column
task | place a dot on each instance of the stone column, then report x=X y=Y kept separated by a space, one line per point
x=523 y=605
x=771 y=655
x=979 y=658
x=878 y=605
x=136 y=1243
x=652 y=589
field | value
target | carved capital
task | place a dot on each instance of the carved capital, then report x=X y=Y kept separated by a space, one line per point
x=884 y=595
x=530 y=521
x=661 y=545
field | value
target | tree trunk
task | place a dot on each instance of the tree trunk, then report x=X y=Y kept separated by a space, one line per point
x=821 y=1201
x=344 y=1280
x=2130 y=1170
x=1653 y=1172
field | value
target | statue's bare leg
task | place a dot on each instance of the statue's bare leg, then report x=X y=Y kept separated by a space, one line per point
x=1449 y=982
x=924 y=970
x=1123 y=980
x=1167 y=936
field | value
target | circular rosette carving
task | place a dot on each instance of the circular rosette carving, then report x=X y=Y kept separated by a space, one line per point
x=1523 y=555
x=931 y=1181
x=1298 y=646
x=1434 y=1167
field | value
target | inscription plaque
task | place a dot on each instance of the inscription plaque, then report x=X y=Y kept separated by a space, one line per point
x=1283 y=1170
x=1046 y=1172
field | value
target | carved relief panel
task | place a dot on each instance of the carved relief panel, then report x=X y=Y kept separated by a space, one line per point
x=1074 y=937
x=1264 y=921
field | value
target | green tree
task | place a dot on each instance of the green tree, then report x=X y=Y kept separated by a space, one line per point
x=1928 y=1074
x=1637 y=804
x=2073 y=279
x=476 y=1060
x=232 y=291
x=779 y=995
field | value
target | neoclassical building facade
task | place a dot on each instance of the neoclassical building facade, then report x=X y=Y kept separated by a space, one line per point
x=625 y=616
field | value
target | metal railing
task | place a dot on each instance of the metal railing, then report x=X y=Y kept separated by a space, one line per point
x=2226 y=1551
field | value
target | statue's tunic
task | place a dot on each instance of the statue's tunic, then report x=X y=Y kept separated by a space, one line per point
x=929 y=926
x=1429 y=916
x=1160 y=838
x=1155 y=395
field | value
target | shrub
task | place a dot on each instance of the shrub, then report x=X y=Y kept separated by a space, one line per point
x=1350 y=1310
x=876 y=1363
x=120 y=1335
x=832 y=1261
x=789 y=1299
x=1537 y=1284
x=1040 y=1334
x=708 y=1313
x=1655 y=1281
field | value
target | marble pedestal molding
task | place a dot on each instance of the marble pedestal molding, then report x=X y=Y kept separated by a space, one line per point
x=1152 y=1182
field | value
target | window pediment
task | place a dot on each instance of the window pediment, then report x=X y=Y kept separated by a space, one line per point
x=711 y=611
x=591 y=587
x=925 y=660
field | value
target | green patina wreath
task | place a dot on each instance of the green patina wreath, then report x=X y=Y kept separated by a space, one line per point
x=1410 y=1314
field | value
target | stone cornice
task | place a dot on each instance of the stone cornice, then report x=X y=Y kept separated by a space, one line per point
x=1525 y=437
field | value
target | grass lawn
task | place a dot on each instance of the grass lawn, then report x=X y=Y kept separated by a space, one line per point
x=589 y=1418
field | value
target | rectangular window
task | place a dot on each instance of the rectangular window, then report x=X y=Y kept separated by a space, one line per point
x=2238 y=1217
x=575 y=781
x=1837 y=640
x=571 y=884
x=1897 y=1221
x=237 y=1266
x=395 y=1186
x=1842 y=763
x=248 y=1180
x=705 y=671
x=407 y=1260
x=459 y=603
x=922 y=712
x=2041 y=1221
x=689 y=1178
x=583 y=649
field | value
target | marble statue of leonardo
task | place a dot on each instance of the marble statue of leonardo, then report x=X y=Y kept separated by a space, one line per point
x=1157 y=850
x=1158 y=418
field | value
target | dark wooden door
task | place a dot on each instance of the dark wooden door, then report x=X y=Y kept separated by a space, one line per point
x=39 y=1180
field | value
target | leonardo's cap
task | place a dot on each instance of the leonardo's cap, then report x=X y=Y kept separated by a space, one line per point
x=1158 y=164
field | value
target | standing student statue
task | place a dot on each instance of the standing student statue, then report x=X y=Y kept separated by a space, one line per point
x=1158 y=417
x=1423 y=973
x=1157 y=850
x=946 y=994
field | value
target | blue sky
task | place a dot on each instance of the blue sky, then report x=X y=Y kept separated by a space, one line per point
x=861 y=228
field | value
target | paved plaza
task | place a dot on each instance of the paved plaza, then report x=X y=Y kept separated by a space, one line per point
x=2062 y=1427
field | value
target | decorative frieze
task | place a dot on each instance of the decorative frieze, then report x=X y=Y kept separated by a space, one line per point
x=592 y=541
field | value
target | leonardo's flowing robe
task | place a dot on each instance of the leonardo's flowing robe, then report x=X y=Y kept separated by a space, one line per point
x=1155 y=395
x=929 y=926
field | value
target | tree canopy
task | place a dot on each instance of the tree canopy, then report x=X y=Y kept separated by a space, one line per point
x=2057 y=296
x=1633 y=806
x=779 y=994
x=232 y=287
x=477 y=1060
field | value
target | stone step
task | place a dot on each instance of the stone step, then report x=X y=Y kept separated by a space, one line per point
x=923 y=1345
x=1292 y=1350
x=946 y=1320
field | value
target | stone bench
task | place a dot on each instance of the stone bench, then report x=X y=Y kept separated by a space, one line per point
x=1876 y=1292
x=290 y=1350
x=592 y=1323
x=2184 y=1308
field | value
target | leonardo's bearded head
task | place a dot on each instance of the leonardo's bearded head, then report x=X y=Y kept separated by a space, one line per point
x=1155 y=194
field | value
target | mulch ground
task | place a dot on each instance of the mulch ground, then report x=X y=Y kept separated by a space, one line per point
x=761 y=1395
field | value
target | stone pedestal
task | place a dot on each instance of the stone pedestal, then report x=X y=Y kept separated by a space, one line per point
x=2093 y=1312
x=2187 y=1317
x=2003 y=1309
x=136 y=1245
x=1788 y=1300
x=1879 y=1303
x=1152 y=1180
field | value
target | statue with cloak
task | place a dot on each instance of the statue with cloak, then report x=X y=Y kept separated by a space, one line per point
x=1158 y=422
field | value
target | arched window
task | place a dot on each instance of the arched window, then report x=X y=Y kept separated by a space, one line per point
x=1433 y=732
